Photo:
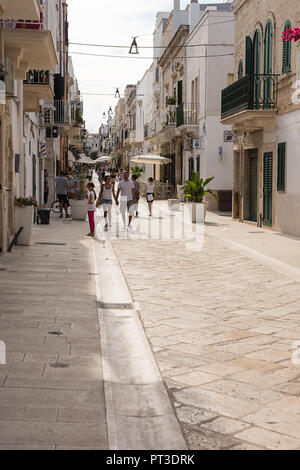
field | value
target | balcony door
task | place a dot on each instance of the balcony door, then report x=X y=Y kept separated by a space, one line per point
x=256 y=67
x=253 y=185
x=268 y=188
x=268 y=64
x=179 y=92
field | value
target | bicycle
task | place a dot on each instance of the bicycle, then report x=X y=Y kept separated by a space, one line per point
x=55 y=207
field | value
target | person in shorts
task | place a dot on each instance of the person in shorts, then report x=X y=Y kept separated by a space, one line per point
x=150 y=194
x=128 y=200
x=62 y=193
x=105 y=200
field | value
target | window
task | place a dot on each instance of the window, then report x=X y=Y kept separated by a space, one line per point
x=268 y=64
x=268 y=48
x=198 y=166
x=281 y=167
x=286 y=51
x=249 y=56
x=241 y=70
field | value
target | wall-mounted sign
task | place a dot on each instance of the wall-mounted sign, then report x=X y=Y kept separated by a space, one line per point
x=229 y=136
x=196 y=144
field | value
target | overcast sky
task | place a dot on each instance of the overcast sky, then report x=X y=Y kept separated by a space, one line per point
x=111 y=22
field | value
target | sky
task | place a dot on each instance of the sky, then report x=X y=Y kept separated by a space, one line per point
x=112 y=22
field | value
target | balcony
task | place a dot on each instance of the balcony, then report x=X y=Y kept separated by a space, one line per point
x=187 y=115
x=251 y=102
x=28 y=9
x=39 y=85
x=29 y=45
x=56 y=113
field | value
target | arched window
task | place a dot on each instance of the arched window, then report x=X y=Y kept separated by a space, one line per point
x=268 y=52
x=286 y=51
x=256 y=67
x=268 y=64
x=249 y=56
x=241 y=69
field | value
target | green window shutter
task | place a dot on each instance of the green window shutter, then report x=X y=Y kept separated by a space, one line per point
x=286 y=52
x=281 y=167
x=268 y=48
x=249 y=56
x=268 y=59
x=241 y=70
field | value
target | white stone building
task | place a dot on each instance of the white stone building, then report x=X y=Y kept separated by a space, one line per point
x=209 y=68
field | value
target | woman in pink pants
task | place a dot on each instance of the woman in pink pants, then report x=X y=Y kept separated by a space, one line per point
x=91 y=208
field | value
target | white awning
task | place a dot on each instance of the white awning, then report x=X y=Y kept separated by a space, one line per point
x=151 y=159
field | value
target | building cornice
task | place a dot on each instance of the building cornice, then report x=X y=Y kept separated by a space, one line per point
x=181 y=33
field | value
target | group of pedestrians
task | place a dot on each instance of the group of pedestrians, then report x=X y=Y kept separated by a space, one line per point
x=126 y=197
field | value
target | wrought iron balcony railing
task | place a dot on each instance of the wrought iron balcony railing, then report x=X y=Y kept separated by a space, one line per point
x=25 y=24
x=187 y=114
x=252 y=92
x=57 y=113
x=39 y=77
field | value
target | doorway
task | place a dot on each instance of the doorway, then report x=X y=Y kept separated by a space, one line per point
x=253 y=185
x=268 y=189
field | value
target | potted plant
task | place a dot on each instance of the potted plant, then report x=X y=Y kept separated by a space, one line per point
x=195 y=191
x=77 y=195
x=171 y=103
x=24 y=213
x=136 y=170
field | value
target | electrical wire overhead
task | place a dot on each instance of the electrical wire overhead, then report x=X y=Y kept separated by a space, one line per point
x=148 y=58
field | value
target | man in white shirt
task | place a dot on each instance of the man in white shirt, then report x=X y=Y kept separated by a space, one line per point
x=126 y=189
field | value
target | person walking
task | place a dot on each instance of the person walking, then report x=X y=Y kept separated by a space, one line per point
x=62 y=193
x=105 y=199
x=91 y=208
x=136 y=188
x=150 y=194
x=127 y=198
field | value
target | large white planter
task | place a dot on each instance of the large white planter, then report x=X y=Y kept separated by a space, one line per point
x=79 y=209
x=24 y=218
x=197 y=211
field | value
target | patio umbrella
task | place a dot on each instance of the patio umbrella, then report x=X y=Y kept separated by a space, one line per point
x=104 y=159
x=151 y=159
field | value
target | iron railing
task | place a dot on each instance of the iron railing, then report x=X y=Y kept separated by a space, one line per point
x=187 y=114
x=25 y=24
x=252 y=92
x=56 y=113
x=39 y=77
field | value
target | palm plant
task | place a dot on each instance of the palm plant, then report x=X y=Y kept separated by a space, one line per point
x=195 y=189
x=136 y=170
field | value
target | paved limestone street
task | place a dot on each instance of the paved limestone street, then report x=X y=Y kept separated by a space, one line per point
x=164 y=347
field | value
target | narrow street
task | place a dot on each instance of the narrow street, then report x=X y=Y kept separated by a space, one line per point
x=221 y=325
x=149 y=229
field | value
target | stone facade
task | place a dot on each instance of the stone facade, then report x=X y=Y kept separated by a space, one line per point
x=261 y=130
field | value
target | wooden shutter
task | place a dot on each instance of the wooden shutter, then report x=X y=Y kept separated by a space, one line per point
x=179 y=91
x=249 y=56
x=281 y=167
x=268 y=48
x=286 y=52
x=268 y=53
